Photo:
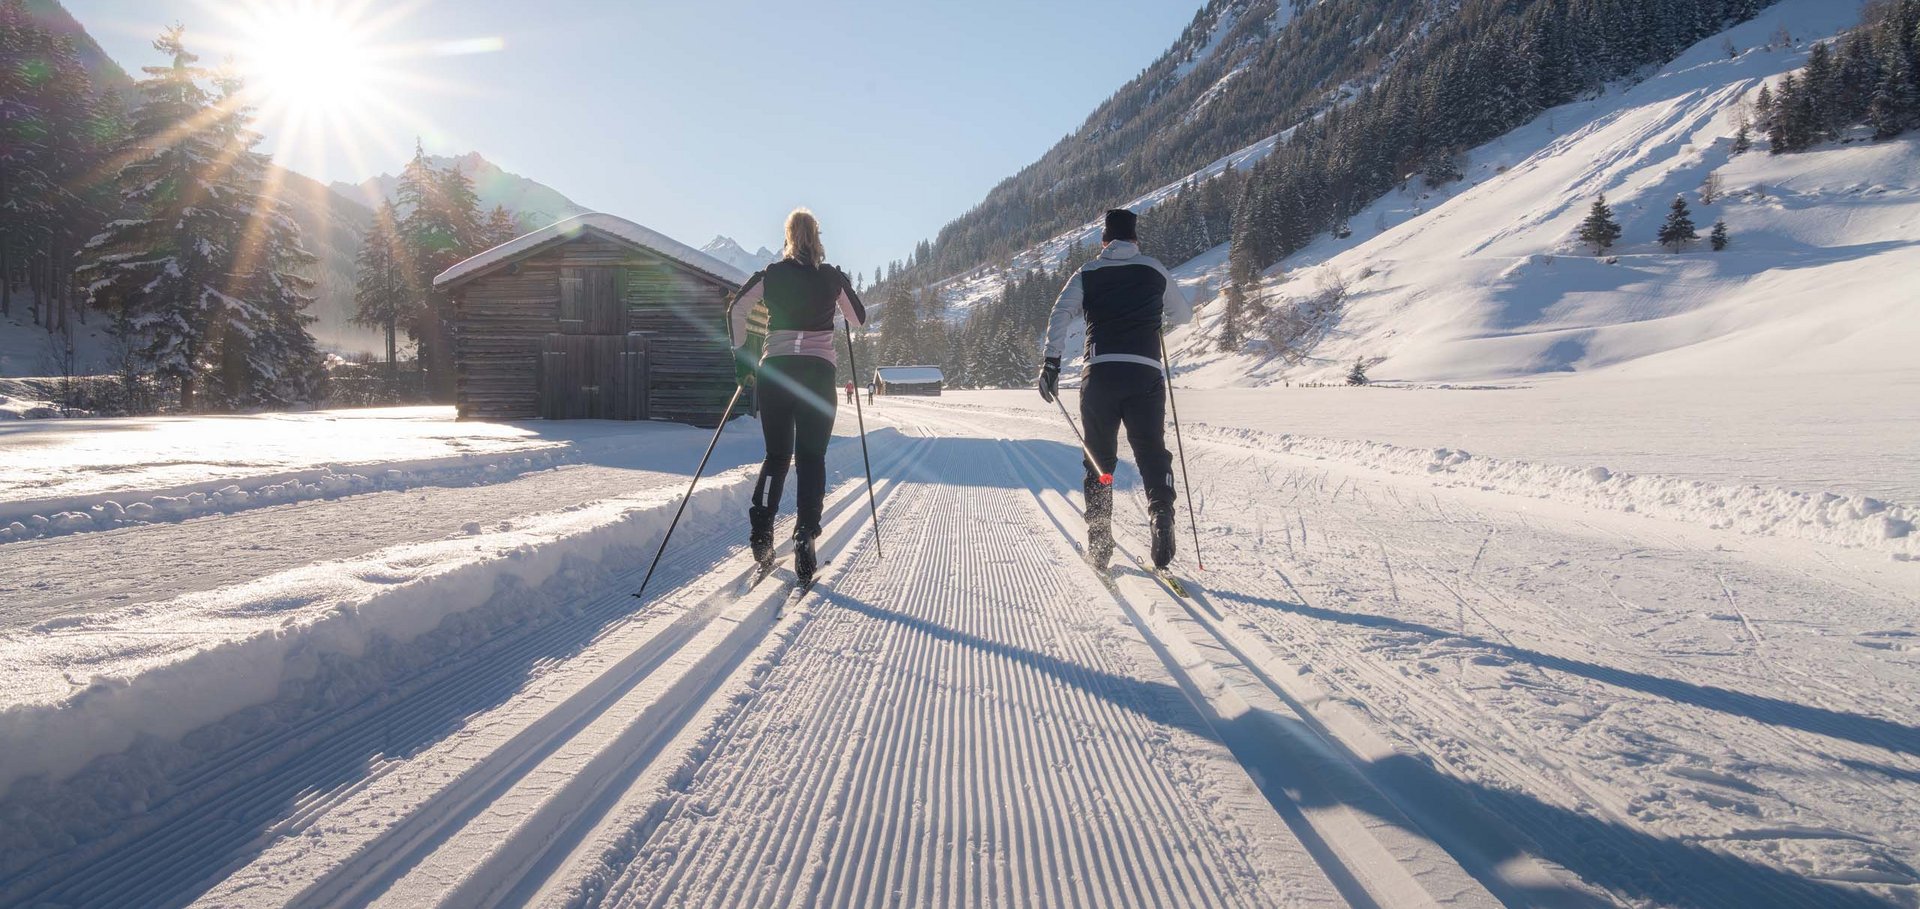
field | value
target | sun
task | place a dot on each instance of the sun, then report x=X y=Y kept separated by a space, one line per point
x=337 y=86
x=308 y=60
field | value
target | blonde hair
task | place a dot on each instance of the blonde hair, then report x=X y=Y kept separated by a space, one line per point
x=803 y=238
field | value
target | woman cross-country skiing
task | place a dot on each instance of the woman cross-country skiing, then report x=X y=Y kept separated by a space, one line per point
x=783 y=341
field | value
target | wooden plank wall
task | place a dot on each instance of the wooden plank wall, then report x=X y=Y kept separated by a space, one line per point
x=499 y=322
x=690 y=359
x=503 y=320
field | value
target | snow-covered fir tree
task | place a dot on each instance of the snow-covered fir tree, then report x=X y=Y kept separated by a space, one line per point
x=205 y=273
x=1718 y=238
x=1678 y=230
x=163 y=268
x=1599 y=231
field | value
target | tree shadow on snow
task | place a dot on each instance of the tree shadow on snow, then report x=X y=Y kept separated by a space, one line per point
x=1853 y=727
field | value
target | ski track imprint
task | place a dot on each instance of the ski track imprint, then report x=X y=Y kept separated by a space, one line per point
x=973 y=720
x=961 y=725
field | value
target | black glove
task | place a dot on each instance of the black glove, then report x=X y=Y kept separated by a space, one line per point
x=745 y=365
x=1050 y=380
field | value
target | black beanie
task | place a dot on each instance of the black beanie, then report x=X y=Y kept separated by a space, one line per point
x=1121 y=225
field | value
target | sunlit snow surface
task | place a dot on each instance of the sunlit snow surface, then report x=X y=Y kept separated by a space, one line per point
x=49 y=459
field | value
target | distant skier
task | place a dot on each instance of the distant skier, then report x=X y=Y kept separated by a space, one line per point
x=1126 y=299
x=849 y=391
x=782 y=323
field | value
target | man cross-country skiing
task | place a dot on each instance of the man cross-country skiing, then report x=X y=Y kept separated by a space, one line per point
x=1125 y=299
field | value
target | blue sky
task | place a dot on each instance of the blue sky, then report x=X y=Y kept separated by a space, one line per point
x=697 y=118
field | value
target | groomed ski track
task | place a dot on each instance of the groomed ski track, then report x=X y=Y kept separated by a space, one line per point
x=976 y=719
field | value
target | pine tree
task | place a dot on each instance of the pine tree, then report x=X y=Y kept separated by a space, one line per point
x=1763 y=107
x=899 y=323
x=1742 y=139
x=55 y=133
x=1358 y=374
x=384 y=294
x=1678 y=230
x=440 y=225
x=161 y=269
x=1820 y=88
x=500 y=227
x=1896 y=103
x=1599 y=231
x=1232 y=317
x=1719 y=238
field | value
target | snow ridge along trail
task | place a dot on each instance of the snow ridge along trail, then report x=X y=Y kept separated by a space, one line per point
x=350 y=770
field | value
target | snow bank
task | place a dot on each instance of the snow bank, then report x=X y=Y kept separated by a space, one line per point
x=1856 y=521
x=84 y=687
x=29 y=520
x=64 y=476
x=15 y=408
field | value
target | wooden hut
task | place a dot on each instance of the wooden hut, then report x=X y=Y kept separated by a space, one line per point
x=595 y=317
x=909 y=380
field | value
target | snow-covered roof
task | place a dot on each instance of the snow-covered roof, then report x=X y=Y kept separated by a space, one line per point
x=613 y=226
x=910 y=375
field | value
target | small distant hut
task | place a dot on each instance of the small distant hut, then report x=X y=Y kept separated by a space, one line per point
x=594 y=317
x=909 y=380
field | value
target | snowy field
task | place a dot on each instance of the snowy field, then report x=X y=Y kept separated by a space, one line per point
x=1391 y=687
x=1850 y=434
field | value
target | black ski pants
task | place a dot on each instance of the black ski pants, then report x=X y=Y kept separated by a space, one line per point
x=796 y=414
x=1132 y=395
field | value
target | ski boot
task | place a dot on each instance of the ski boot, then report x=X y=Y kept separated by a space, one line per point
x=805 y=560
x=1099 y=524
x=1163 y=537
x=760 y=538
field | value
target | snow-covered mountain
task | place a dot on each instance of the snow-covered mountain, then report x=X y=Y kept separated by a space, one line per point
x=728 y=250
x=535 y=202
x=1484 y=280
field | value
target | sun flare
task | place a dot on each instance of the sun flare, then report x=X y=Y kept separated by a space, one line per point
x=335 y=84
x=307 y=60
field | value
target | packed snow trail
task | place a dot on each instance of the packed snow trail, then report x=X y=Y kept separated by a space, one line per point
x=1382 y=693
x=964 y=723
x=1671 y=714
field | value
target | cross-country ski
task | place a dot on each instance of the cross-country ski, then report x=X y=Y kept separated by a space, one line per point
x=1227 y=453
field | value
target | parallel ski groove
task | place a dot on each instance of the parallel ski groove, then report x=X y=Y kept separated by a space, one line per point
x=1708 y=886
x=218 y=813
x=988 y=762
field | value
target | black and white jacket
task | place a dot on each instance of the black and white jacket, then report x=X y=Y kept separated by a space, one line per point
x=789 y=307
x=1125 y=298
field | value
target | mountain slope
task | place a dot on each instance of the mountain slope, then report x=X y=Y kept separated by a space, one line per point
x=105 y=72
x=1484 y=281
x=537 y=204
x=331 y=226
x=1243 y=70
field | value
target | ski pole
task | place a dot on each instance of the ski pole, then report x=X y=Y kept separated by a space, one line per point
x=1186 y=488
x=853 y=369
x=737 y=391
x=1106 y=479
